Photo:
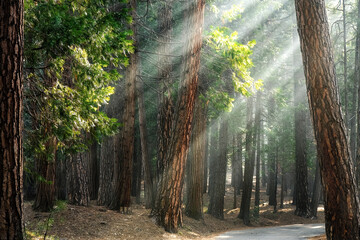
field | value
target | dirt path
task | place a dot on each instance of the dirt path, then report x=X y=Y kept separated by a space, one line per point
x=96 y=222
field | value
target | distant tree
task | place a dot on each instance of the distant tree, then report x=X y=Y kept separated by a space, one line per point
x=301 y=170
x=148 y=176
x=11 y=126
x=122 y=186
x=249 y=163
x=257 y=123
x=272 y=157
x=357 y=79
x=341 y=195
x=214 y=146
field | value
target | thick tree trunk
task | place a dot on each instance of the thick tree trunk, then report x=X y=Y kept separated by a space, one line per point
x=45 y=187
x=77 y=180
x=249 y=165
x=168 y=204
x=107 y=156
x=341 y=195
x=11 y=153
x=195 y=164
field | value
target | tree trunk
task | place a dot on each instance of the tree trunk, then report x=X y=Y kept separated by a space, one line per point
x=301 y=171
x=76 y=180
x=354 y=112
x=148 y=178
x=282 y=188
x=11 y=126
x=217 y=197
x=272 y=186
x=249 y=165
x=240 y=158
x=137 y=170
x=235 y=170
x=206 y=162
x=60 y=177
x=93 y=170
x=107 y=156
x=45 y=187
x=258 y=153
x=195 y=174
x=341 y=196
x=357 y=79
x=122 y=190
x=345 y=66
x=166 y=105
x=316 y=191
x=168 y=204
x=214 y=146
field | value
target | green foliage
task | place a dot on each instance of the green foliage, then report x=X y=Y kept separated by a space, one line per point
x=233 y=13
x=73 y=53
x=226 y=54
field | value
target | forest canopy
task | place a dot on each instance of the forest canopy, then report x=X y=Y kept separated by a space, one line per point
x=125 y=102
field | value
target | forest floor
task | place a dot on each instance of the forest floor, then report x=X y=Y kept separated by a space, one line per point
x=96 y=222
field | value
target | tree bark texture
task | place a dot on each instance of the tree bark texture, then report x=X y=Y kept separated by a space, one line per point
x=93 y=171
x=195 y=164
x=168 y=206
x=122 y=190
x=77 y=180
x=107 y=157
x=166 y=105
x=11 y=126
x=340 y=192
